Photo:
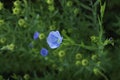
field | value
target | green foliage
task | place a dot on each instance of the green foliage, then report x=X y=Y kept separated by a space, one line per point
x=88 y=49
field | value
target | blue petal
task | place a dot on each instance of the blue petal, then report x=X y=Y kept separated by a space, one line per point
x=56 y=33
x=36 y=35
x=54 y=39
x=44 y=52
x=53 y=46
x=51 y=38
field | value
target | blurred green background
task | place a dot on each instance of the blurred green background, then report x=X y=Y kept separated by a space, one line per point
x=25 y=60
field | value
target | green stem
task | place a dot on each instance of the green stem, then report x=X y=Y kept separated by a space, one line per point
x=68 y=39
x=80 y=45
x=85 y=47
x=103 y=75
x=101 y=30
x=94 y=10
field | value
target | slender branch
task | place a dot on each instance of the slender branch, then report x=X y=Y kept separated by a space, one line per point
x=103 y=75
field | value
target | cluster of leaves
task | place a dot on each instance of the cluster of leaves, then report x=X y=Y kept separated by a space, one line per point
x=112 y=28
x=84 y=51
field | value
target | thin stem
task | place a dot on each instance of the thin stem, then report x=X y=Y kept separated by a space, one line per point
x=85 y=47
x=72 y=42
x=100 y=29
x=103 y=75
x=94 y=10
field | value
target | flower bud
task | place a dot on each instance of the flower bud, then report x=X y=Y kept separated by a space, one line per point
x=11 y=47
x=17 y=3
x=51 y=8
x=25 y=26
x=76 y=11
x=93 y=38
x=21 y=22
x=94 y=57
x=69 y=3
x=2 y=21
x=84 y=62
x=77 y=63
x=96 y=71
x=108 y=41
x=41 y=36
x=52 y=27
x=61 y=53
x=1 y=5
x=16 y=10
x=2 y=40
x=98 y=63
x=78 y=56
x=49 y=1
x=8 y=47
x=26 y=77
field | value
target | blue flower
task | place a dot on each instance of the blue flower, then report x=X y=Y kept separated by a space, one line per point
x=44 y=52
x=36 y=35
x=54 y=39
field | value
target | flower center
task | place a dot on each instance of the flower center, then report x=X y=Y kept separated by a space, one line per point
x=58 y=40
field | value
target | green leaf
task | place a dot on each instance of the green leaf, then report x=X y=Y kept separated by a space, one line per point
x=102 y=9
